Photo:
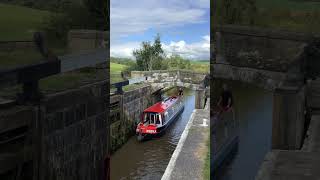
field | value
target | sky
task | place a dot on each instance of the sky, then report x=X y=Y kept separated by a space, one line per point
x=183 y=25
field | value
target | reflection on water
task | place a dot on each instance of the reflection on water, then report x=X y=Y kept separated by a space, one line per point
x=254 y=112
x=149 y=159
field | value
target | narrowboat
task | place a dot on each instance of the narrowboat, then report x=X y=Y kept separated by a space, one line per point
x=155 y=119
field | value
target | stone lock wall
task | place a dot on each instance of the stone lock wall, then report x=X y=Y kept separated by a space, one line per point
x=65 y=137
x=127 y=113
x=16 y=127
x=74 y=135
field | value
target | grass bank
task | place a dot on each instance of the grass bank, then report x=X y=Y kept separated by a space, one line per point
x=200 y=66
x=206 y=170
x=61 y=82
x=19 y=23
x=115 y=72
x=292 y=15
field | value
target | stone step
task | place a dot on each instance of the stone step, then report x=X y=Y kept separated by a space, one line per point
x=312 y=142
x=315 y=83
x=293 y=165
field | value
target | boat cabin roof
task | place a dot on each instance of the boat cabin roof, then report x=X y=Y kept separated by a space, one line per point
x=160 y=107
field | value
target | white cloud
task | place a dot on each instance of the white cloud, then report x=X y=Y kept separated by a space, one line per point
x=124 y=50
x=132 y=17
x=198 y=50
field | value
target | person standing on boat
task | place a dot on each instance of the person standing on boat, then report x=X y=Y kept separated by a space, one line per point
x=226 y=99
x=180 y=91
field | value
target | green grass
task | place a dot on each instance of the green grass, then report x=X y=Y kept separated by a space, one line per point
x=117 y=68
x=201 y=62
x=289 y=14
x=18 y=23
x=200 y=66
x=292 y=15
x=65 y=81
x=115 y=72
x=206 y=170
x=12 y=59
x=301 y=5
x=133 y=86
x=61 y=82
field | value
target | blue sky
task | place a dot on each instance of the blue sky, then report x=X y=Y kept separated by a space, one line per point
x=184 y=26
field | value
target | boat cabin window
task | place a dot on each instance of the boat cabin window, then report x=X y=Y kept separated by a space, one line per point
x=158 y=119
x=152 y=118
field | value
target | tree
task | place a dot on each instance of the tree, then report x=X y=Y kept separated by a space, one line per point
x=177 y=62
x=150 y=56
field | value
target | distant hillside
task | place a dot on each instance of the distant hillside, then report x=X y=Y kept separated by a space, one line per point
x=200 y=62
x=19 y=23
x=52 y=5
x=293 y=15
x=89 y=14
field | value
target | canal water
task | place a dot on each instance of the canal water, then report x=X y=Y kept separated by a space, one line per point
x=254 y=113
x=149 y=159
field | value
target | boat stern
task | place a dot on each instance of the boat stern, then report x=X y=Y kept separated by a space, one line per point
x=143 y=131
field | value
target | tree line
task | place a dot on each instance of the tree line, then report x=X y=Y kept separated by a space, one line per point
x=151 y=56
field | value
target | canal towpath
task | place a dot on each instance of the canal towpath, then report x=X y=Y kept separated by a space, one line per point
x=188 y=159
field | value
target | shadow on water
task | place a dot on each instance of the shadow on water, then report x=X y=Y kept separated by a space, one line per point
x=149 y=159
x=254 y=112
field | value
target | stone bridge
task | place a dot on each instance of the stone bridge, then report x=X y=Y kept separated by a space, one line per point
x=269 y=58
x=275 y=60
x=169 y=78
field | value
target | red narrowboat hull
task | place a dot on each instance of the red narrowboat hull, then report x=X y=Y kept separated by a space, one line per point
x=150 y=131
